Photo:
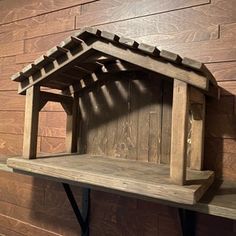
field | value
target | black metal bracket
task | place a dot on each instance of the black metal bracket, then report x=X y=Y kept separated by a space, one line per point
x=82 y=216
x=187 y=220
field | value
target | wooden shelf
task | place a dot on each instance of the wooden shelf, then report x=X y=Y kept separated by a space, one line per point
x=220 y=200
x=132 y=178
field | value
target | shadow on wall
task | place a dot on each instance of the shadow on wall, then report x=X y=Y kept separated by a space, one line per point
x=124 y=118
x=220 y=134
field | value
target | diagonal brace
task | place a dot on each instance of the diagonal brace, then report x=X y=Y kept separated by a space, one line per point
x=82 y=217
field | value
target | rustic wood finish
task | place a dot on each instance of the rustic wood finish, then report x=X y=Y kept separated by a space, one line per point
x=31 y=122
x=180 y=108
x=200 y=29
x=130 y=177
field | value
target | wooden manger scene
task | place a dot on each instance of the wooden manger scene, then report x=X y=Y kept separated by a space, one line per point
x=135 y=117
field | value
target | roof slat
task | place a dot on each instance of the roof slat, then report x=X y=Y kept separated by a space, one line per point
x=75 y=46
x=196 y=65
x=128 y=42
x=56 y=52
x=87 y=32
x=149 y=49
x=170 y=56
x=110 y=36
x=71 y=43
x=18 y=77
x=42 y=61
x=29 y=70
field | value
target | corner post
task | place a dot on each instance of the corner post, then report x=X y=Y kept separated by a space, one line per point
x=31 y=122
x=197 y=109
x=179 y=130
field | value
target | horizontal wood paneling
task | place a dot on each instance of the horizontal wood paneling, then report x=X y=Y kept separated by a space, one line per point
x=200 y=29
x=10 y=145
x=42 y=28
x=218 y=12
x=223 y=71
x=51 y=124
x=13 y=48
x=52 y=145
x=21 y=227
x=25 y=9
x=12 y=101
x=129 y=9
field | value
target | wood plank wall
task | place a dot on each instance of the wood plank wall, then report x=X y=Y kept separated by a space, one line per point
x=201 y=29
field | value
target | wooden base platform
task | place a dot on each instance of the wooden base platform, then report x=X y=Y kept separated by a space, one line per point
x=132 y=178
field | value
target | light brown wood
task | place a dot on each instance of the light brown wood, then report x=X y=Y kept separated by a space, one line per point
x=179 y=128
x=31 y=122
x=132 y=178
x=197 y=130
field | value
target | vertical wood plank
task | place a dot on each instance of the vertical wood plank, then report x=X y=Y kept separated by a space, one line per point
x=167 y=97
x=72 y=126
x=197 y=130
x=179 y=128
x=31 y=122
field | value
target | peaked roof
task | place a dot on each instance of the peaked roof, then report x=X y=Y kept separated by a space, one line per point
x=91 y=51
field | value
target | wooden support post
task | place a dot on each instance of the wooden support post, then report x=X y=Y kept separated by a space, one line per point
x=179 y=129
x=31 y=122
x=72 y=111
x=197 y=129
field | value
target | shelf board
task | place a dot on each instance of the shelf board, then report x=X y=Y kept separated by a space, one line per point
x=132 y=178
x=219 y=200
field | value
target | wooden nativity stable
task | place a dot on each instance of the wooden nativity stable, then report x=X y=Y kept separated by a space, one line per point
x=135 y=117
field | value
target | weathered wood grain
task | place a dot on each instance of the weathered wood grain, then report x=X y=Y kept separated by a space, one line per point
x=11 y=145
x=52 y=145
x=13 y=102
x=22 y=227
x=26 y=9
x=200 y=28
x=227 y=31
x=167 y=99
x=51 y=223
x=106 y=13
x=197 y=131
x=223 y=71
x=22 y=195
x=119 y=175
x=179 y=123
x=13 y=48
x=183 y=36
x=218 y=12
x=31 y=122
x=28 y=57
x=43 y=43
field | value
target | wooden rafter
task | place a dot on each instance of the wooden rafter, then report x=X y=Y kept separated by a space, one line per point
x=92 y=45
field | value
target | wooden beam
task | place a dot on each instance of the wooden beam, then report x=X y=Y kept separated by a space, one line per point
x=167 y=69
x=53 y=97
x=197 y=109
x=179 y=129
x=31 y=122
